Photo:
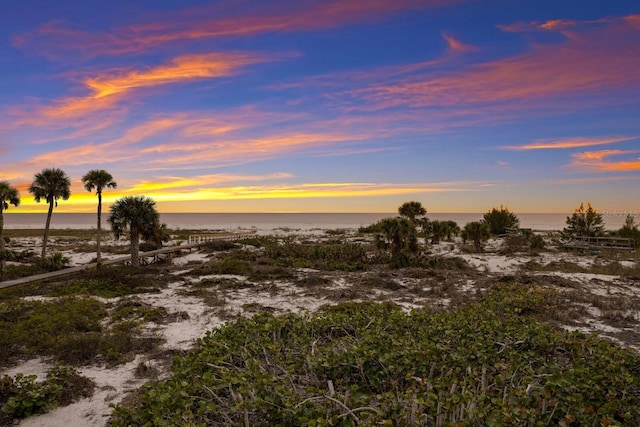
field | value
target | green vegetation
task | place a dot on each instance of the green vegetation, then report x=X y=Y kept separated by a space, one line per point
x=23 y=396
x=326 y=256
x=490 y=363
x=137 y=216
x=111 y=282
x=500 y=220
x=68 y=329
x=98 y=180
x=50 y=185
x=584 y=223
x=399 y=238
x=441 y=229
x=54 y=262
x=9 y=195
x=476 y=231
x=630 y=230
x=413 y=211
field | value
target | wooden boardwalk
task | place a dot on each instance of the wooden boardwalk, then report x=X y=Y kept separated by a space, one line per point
x=600 y=243
x=156 y=255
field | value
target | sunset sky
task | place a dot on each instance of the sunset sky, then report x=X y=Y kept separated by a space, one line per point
x=326 y=105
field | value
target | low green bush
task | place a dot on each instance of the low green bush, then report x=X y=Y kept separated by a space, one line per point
x=23 y=396
x=70 y=330
x=55 y=261
x=487 y=363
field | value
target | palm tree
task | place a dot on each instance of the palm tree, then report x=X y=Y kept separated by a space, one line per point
x=8 y=196
x=478 y=232
x=51 y=185
x=139 y=216
x=98 y=179
x=397 y=235
x=413 y=211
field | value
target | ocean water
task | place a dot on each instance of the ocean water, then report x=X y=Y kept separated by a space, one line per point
x=284 y=222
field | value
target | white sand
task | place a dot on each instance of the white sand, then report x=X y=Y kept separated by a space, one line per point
x=191 y=318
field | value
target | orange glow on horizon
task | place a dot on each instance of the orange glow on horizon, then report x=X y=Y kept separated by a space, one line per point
x=83 y=201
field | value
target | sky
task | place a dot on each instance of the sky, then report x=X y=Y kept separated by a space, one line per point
x=325 y=105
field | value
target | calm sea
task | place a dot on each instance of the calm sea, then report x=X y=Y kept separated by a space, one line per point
x=269 y=222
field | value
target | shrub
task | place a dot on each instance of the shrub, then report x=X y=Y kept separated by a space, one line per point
x=501 y=220
x=439 y=229
x=233 y=266
x=323 y=256
x=630 y=230
x=584 y=223
x=54 y=262
x=397 y=235
x=536 y=242
x=488 y=363
x=24 y=396
x=476 y=231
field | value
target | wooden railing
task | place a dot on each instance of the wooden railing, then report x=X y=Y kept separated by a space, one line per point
x=600 y=243
x=210 y=237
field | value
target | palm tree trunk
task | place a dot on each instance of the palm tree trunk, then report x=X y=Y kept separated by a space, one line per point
x=46 y=230
x=134 y=248
x=3 y=264
x=98 y=255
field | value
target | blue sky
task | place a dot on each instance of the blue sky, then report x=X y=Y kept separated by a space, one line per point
x=326 y=106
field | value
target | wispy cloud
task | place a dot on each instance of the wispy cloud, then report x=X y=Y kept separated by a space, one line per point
x=604 y=58
x=456 y=45
x=187 y=67
x=107 y=89
x=607 y=160
x=195 y=183
x=577 y=142
x=54 y=39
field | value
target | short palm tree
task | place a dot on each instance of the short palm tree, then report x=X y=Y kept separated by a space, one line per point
x=476 y=231
x=50 y=185
x=138 y=215
x=397 y=235
x=413 y=211
x=8 y=196
x=98 y=180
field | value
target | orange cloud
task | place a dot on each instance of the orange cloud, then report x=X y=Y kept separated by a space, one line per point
x=187 y=67
x=569 y=143
x=109 y=88
x=217 y=153
x=52 y=38
x=598 y=161
x=550 y=25
x=188 y=183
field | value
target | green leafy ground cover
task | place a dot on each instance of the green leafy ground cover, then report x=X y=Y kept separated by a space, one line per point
x=488 y=363
x=23 y=396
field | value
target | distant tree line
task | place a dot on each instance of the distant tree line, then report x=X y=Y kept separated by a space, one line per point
x=398 y=237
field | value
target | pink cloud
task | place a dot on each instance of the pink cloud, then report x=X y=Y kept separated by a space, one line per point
x=456 y=45
x=603 y=58
x=53 y=38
